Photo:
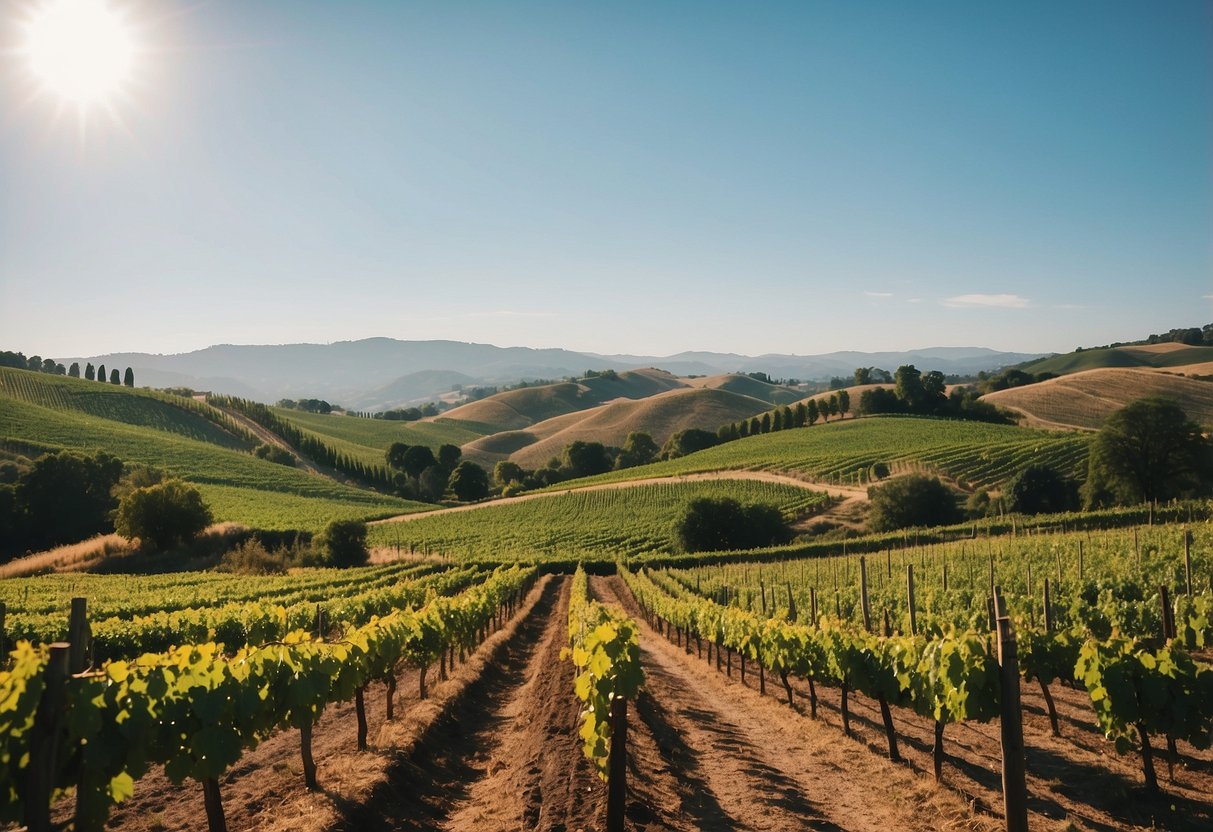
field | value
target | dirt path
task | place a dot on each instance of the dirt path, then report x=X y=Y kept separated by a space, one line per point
x=841 y=492
x=508 y=757
x=743 y=761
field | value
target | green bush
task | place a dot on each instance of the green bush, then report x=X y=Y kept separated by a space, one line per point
x=163 y=515
x=719 y=523
x=343 y=543
x=912 y=501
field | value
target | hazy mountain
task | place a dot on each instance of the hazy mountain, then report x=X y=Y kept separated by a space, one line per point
x=383 y=372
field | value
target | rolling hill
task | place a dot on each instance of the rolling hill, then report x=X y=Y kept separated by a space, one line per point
x=183 y=437
x=1084 y=399
x=1143 y=355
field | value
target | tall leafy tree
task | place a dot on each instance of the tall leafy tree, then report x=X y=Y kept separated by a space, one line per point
x=863 y=375
x=395 y=455
x=89 y=372
x=468 y=482
x=416 y=459
x=74 y=370
x=909 y=389
x=844 y=402
x=811 y=411
x=114 y=377
x=101 y=373
x=1145 y=452
x=449 y=456
x=128 y=378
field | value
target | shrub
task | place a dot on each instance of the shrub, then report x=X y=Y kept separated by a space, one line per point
x=912 y=501
x=1038 y=489
x=343 y=543
x=163 y=515
x=275 y=454
x=714 y=524
x=252 y=558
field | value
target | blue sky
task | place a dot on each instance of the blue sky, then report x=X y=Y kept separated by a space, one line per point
x=627 y=177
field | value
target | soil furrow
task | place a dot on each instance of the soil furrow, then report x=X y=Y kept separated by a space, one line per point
x=754 y=764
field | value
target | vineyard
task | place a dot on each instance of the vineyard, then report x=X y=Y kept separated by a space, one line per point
x=582 y=525
x=974 y=454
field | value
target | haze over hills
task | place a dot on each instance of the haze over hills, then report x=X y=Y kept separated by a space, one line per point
x=378 y=373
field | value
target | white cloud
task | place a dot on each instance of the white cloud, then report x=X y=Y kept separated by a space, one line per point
x=995 y=301
x=878 y=294
x=914 y=300
x=1207 y=297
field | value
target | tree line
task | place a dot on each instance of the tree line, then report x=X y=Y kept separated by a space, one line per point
x=38 y=364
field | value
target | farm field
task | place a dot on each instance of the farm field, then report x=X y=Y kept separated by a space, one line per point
x=589 y=525
x=711 y=744
x=49 y=412
x=974 y=454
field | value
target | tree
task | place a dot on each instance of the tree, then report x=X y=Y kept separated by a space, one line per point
x=469 y=482
x=720 y=523
x=343 y=544
x=34 y=362
x=909 y=386
x=431 y=485
x=395 y=455
x=755 y=426
x=765 y=424
x=101 y=373
x=585 y=459
x=811 y=412
x=114 y=377
x=863 y=375
x=129 y=378
x=1148 y=451
x=449 y=455
x=67 y=496
x=416 y=459
x=1039 y=489
x=777 y=421
x=688 y=442
x=136 y=476
x=844 y=402
x=89 y=372
x=163 y=515
x=911 y=501
x=48 y=365
x=74 y=370
x=638 y=449
x=743 y=429
x=878 y=400
x=800 y=415
x=506 y=472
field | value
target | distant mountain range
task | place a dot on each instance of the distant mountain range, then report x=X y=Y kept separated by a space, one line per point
x=377 y=373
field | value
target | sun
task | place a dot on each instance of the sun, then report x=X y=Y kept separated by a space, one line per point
x=81 y=51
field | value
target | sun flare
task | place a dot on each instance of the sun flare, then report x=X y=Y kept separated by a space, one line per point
x=80 y=51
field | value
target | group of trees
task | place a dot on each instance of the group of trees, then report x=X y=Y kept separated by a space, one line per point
x=872 y=375
x=585 y=459
x=422 y=475
x=38 y=364
x=309 y=445
x=1007 y=379
x=801 y=415
x=306 y=405
x=926 y=394
x=65 y=497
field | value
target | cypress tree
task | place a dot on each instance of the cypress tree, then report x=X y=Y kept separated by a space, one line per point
x=811 y=412
x=114 y=377
x=129 y=378
x=802 y=413
x=101 y=373
x=744 y=429
x=777 y=422
x=74 y=370
x=765 y=424
x=787 y=416
x=755 y=426
x=89 y=372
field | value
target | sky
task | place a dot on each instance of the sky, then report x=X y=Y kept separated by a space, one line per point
x=624 y=177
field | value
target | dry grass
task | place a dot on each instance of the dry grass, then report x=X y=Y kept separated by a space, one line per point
x=74 y=557
x=1084 y=400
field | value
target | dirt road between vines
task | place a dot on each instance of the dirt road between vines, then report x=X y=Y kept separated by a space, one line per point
x=840 y=492
x=743 y=761
x=508 y=756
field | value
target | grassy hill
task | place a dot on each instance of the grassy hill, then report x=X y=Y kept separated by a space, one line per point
x=1086 y=399
x=518 y=409
x=366 y=440
x=744 y=385
x=659 y=416
x=1146 y=355
x=174 y=434
x=974 y=454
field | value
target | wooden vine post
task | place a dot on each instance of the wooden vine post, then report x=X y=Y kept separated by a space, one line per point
x=617 y=766
x=910 y=594
x=1014 y=777
x=44 y=735
x=79 y=637
x=863 y=591
x=1187 y=561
